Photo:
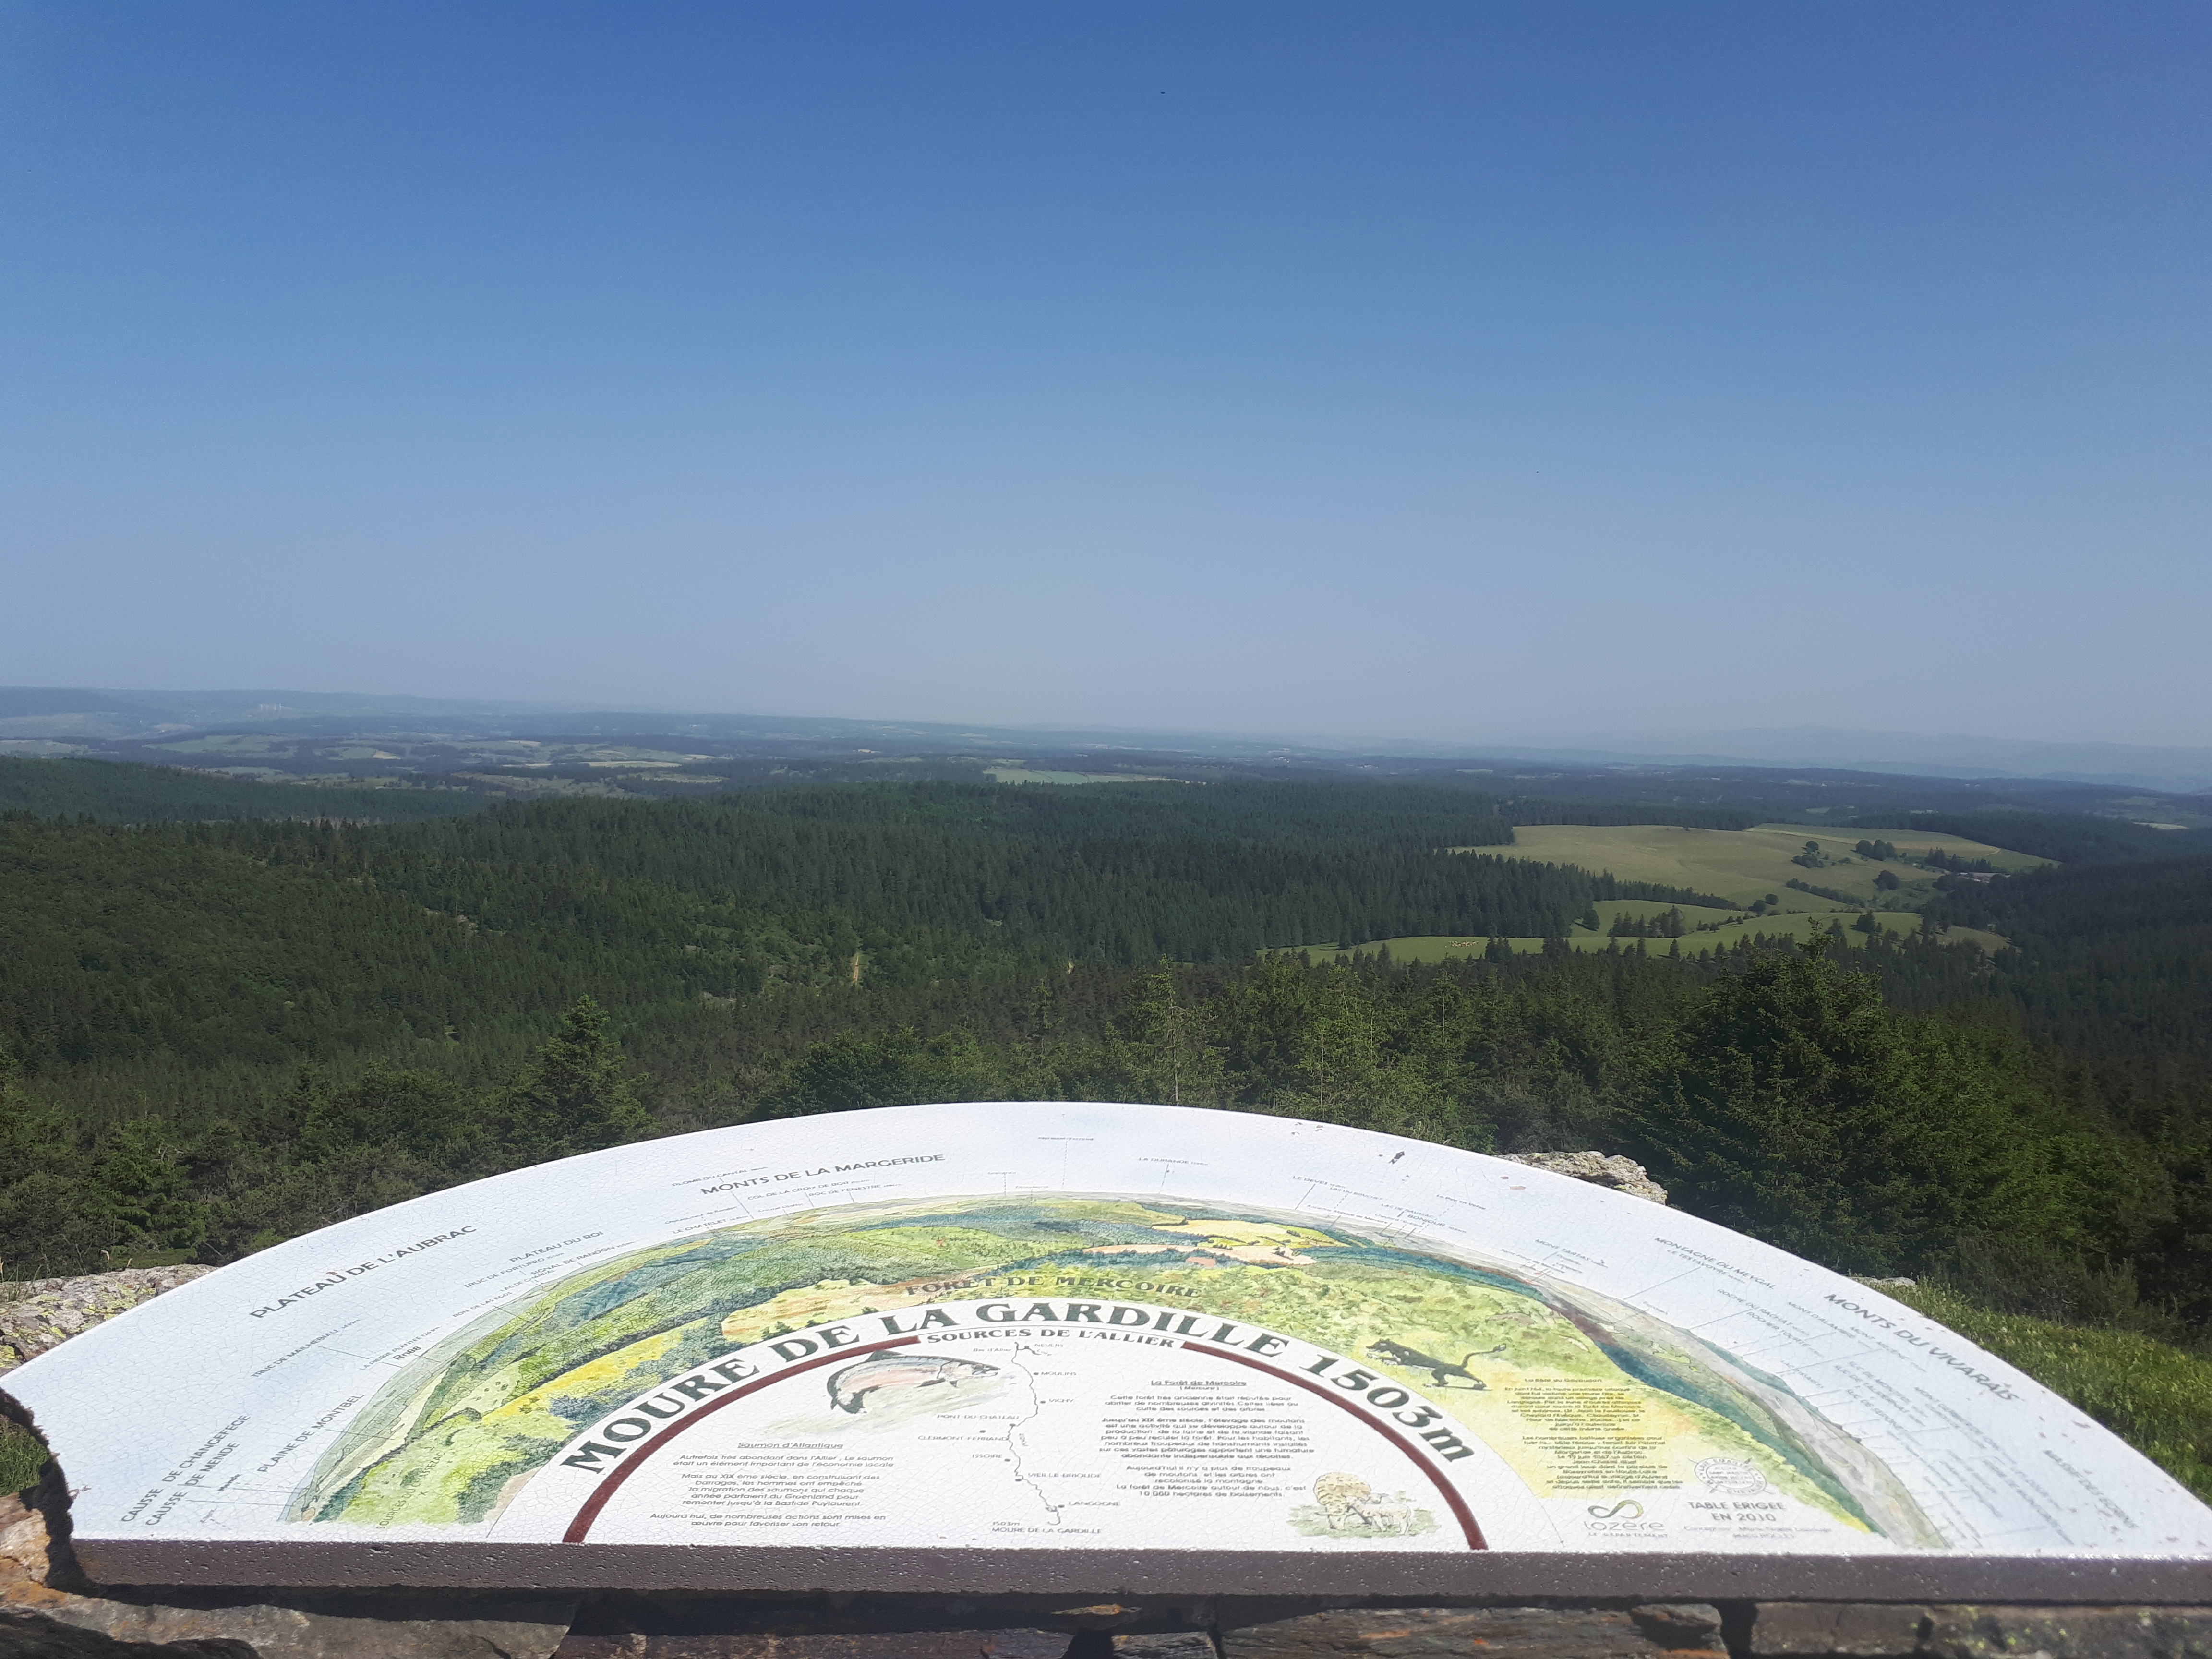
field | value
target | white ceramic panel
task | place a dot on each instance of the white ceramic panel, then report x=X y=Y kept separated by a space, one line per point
x=1078 y=1327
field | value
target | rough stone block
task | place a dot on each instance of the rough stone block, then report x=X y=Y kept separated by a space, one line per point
x=1622 y=1174
x=1095 y=1615
x=1675 y=1624
x=420 y=1626
x=2052 y=1632
x=1489 y=1632
x=485 y=1627
x=45 y=1313
x=1844 y=1630
x=854 y=1644
x=1165 y=1644
x=29 y=1636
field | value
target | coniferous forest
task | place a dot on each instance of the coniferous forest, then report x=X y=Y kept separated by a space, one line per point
x=218 y=1035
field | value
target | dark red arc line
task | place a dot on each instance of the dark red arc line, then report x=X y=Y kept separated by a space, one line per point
x=607 y=1488
x=580 y=1528
x=1474 y=1540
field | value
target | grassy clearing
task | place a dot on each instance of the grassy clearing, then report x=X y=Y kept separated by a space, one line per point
x=22 y=1457
x=233 y=743
x=1802 y=927
x=1746 y=865
x=532 y=786
x=1459 y=947
x=1730 y=926
x=1612 y=910
x=1022 y=775
x=2155 y=1397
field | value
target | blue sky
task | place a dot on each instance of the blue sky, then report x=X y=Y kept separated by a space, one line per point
x=1423 y=370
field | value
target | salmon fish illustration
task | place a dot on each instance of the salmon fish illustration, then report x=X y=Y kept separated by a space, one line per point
x=849 y=1388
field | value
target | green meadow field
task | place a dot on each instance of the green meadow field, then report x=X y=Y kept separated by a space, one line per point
x=1746 y=865
x=1732 y=925
x=1016 y=774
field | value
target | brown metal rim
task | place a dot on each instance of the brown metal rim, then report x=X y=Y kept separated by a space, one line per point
x=1104 y=1574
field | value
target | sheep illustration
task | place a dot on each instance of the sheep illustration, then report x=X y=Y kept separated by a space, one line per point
x=1384 y=1515
x=1337 y=1494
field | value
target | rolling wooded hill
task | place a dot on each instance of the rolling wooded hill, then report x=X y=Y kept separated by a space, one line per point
x=223 y=1033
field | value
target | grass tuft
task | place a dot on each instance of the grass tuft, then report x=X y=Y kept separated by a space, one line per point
x=21 y=1456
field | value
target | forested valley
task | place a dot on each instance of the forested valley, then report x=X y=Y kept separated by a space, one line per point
x=216 y=1035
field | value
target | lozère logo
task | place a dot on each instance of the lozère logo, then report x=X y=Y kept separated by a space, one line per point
x=1625 y=1515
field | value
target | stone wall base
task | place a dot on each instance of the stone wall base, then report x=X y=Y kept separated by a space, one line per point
x=48 y=1611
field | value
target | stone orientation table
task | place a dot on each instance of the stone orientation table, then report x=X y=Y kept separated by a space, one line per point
x=1045 y=1349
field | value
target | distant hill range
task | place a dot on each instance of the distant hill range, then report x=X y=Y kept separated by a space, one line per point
x=52 y=720
x=64 y=713
x=1950 y=755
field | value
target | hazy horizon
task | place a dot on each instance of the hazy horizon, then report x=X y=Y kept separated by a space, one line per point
x=1814 y=746
x=1466 y=373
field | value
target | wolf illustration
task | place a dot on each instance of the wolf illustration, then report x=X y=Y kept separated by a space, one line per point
x=1397 y=1353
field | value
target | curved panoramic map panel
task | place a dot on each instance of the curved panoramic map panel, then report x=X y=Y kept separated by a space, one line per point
x=1070 y=1333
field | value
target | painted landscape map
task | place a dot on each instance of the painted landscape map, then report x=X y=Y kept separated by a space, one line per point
x=1586 y=1403
x=1057 y=1327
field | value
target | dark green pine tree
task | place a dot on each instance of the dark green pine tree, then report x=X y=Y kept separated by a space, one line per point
x=145 y=1184
x=575 y=1097
x=1792 y=1104
x=53 y=1214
